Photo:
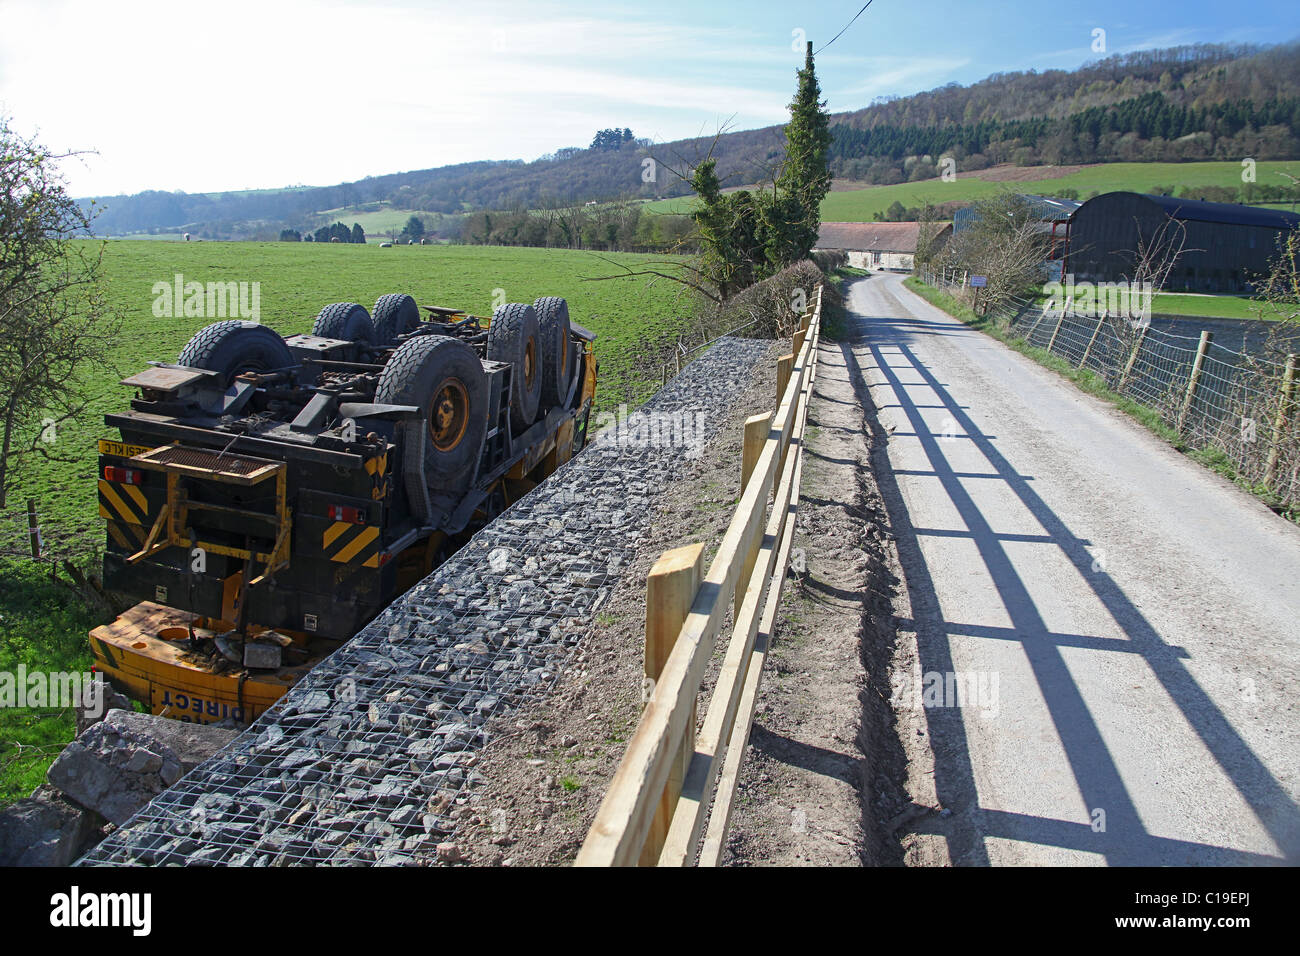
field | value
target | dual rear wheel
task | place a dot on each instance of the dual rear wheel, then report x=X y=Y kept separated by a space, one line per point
x=395 y=314
x=538 y=342
x=440 y=375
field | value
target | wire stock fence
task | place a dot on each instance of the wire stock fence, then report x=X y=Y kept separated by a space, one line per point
x=20 y=533
x=1237 y=404
x=682 y=352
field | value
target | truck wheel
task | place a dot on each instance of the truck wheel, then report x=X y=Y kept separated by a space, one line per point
x=557 y=349
x=514 y=338
x=233 y=347
x=395 y=314
x=345 y=320
x=445 y=378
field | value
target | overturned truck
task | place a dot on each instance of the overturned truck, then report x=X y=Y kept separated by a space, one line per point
x=265 y=497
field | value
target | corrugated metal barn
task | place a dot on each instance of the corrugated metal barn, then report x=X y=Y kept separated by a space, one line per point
x=1225 y=246
x=1053 y=216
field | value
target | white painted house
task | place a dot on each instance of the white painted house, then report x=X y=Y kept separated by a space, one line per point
x=877 y=245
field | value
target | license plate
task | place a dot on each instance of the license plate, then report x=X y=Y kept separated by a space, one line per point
x=120 y=449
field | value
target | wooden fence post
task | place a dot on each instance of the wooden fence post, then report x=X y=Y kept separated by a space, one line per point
x=1056 y=331
x=1132 y=357
x=784 y=366
x=33 y=529
x=1101 y=319
x=797 y=339
x=1042 y=315
x=1194 y=378
x=1279 y=421
x=757 y=428
x=670 y=591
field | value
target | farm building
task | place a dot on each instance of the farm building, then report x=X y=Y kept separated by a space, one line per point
x=878 y=245
x=1224 y=246
x=1054 y=217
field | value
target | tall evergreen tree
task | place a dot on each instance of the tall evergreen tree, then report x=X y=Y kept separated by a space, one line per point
x=805 y=179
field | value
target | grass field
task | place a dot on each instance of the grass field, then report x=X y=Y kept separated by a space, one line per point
x=863 y=205
x=1207 y=306
x=297 y=279
x=867 y=205
x=44 y=626
x=1212 y=306
x=383 y=220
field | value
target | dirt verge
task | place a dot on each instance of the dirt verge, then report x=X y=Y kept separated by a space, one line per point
x=822 y=783
x=548 y=767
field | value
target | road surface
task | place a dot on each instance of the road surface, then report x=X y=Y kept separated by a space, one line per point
x=1106 y=632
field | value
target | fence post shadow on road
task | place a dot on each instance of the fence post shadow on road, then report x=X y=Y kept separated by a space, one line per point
x=1100 y=784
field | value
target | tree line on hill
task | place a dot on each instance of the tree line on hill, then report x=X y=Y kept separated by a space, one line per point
x=1196 y=75
x=623 y=226
x=1146 y=128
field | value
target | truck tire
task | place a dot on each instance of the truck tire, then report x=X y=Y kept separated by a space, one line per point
x=514 y=338
x=233 y=347
x=557 y=349
x=345 y=320
x=395 y=314
x=445 y=378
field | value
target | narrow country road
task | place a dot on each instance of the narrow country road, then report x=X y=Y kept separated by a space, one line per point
x=1105 y=632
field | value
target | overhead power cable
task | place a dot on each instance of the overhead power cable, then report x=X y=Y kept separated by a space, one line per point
x=846 y=26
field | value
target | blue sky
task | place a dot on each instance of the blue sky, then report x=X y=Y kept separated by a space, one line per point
x=264 y=93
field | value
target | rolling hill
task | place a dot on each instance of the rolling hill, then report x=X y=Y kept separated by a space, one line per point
x=1185 y=105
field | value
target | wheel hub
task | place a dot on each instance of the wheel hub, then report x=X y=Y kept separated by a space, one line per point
x=449 y=414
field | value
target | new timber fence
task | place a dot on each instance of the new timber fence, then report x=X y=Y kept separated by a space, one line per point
x=674 y=780
x=1238 y=405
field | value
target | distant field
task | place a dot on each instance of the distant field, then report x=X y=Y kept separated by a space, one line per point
x=1202 y=306
x=297 y=279
x=869 y=203
x=864 y=205
x=381 y=221
x=1212 y=306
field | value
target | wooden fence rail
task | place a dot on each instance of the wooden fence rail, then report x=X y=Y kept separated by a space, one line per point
x=670 y=778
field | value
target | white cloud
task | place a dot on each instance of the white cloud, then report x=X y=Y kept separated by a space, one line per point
x=899 y=75
x=172 y=96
